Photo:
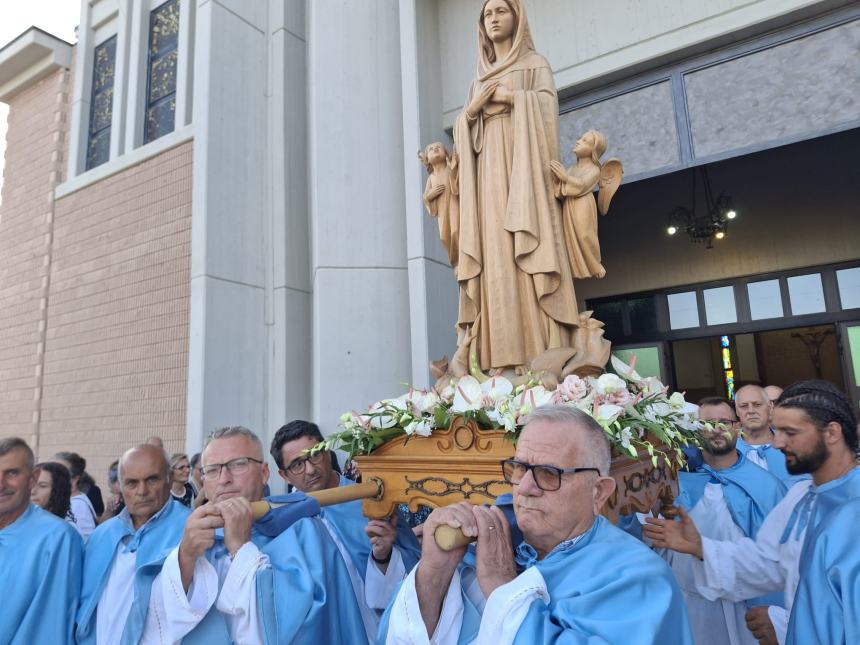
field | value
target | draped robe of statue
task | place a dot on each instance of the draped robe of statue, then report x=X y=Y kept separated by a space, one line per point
x=516 y=287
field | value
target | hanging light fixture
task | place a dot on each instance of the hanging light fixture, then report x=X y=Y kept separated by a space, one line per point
x=703 y=227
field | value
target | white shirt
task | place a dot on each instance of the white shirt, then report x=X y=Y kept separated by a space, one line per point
x=118 y=592
x=501 y=614
x=83 y=515
x=712 y=622
x=744 y=568
x=229 y=584
x=754 y=457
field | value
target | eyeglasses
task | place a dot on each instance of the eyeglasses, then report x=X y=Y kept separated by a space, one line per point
x=723 y=424
x=547 y=478
x=237 y=466
x=298 y=466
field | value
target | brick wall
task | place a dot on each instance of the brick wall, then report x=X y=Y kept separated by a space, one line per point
x=116 y=351
x=37 y=127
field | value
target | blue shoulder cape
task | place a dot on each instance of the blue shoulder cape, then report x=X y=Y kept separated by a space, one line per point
x=306 y=597
x=775 y=461
x=827 y=603
x=750 y=492
x=348 y=522
x=152 y=543
x=40 y=579
x=607 y=587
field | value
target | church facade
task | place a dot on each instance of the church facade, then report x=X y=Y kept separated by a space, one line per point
x=212 y=211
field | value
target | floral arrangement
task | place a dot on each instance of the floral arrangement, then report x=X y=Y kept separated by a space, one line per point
x=631 y=409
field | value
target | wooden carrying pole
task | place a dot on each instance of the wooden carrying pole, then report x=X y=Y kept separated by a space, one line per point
x=447 y=537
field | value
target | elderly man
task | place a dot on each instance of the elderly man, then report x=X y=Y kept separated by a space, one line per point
x=125 y=553
x=816 y=429
x=755 y=409
x=582 y=580
x=729 y=497
x=209 y=587
x=40 y=558
x=377 y=553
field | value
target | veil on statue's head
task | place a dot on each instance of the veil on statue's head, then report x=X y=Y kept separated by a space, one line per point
x=522 y=42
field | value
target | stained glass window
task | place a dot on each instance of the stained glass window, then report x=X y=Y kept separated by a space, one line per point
x=101 y=103
x=728 y=372
x=161 y=72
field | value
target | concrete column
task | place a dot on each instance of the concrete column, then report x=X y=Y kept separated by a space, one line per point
x=361 y=327
x=227 y=349
x=432 y=285
x=288 y=314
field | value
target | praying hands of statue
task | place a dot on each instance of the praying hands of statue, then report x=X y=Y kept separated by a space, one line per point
x=559 y=171
x=494 y=553
x=484 y=95
x=681 y=536
x=759 y=623
x=382 y=534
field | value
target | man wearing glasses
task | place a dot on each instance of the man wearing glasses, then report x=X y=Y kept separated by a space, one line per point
x=729 y=497
x=207 y=591
x=575 y=577
x=377 y=553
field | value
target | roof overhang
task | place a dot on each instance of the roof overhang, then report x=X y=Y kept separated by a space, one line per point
x=29 y=58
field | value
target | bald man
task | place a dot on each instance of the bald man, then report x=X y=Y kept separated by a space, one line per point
x=773 y=392
x=124 y=554
x=754 y=409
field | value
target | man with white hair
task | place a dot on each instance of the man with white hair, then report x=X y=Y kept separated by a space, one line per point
x=575 y=577
x=755 y=411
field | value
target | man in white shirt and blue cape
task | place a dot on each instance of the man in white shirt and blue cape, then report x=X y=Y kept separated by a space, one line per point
x=755 y=411
x=230 y=580
x=728 y=497
x=124 y=555
x=575 y=578
x=816 y=429
x=40 y=558
x=377 y=553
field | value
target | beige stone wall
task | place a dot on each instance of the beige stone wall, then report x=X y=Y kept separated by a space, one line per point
x=36 y=134
x=116 y=352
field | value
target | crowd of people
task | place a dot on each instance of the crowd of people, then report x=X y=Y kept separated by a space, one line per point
x=762 y=550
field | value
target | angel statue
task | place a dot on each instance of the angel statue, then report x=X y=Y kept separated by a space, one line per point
x=575 y=187
x=441 y=196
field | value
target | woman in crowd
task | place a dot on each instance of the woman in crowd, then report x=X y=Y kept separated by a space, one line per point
x=53 y=490
x=83 y=515
x=181 y=489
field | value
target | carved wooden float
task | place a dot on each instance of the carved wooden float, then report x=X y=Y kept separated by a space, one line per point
x=461 y=463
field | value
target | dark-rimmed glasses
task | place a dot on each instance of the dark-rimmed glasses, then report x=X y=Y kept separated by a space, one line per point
x=238 y=466
x=547 y=478
x=297 y=466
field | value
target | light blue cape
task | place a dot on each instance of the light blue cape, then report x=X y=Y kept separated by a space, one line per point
x=607 y=587
x=827 y=604
x=775 y=461
x=152 y=543
x=40 y=579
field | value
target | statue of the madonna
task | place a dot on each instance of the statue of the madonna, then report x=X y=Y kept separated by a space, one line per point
x=516 y=289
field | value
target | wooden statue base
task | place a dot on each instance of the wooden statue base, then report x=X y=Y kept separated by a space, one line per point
x=462 y=464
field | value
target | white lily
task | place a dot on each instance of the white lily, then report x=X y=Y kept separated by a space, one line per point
x=421 y=427
x=608 y=412
x=467 y=395
x=497 y=388
x=392 y=410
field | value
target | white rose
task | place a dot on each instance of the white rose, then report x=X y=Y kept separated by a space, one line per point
x=609 y=383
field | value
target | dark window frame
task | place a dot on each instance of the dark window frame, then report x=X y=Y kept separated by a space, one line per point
x=96 y=92
x=153 y=58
